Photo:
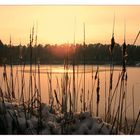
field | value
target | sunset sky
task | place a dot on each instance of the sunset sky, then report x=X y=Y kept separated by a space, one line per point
x=56 y=24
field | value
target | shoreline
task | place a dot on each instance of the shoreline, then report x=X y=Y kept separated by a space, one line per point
x=87 y=64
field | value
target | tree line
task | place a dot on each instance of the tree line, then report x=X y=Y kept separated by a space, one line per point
x=56 y=54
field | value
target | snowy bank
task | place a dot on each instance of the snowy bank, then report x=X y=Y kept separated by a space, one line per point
x=16 y=119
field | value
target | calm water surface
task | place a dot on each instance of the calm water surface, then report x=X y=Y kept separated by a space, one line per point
x=133 y=83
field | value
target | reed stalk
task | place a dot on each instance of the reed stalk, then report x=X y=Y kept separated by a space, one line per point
x=133 y=101
x=135 y=124
x=11 y=71
x=30 y=77
x=74 y=88
x=93 y=86
x=84 y=87
x=105 y=97
x=111 y=71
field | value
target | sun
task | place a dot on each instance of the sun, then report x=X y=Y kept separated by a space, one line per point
x=62 y=51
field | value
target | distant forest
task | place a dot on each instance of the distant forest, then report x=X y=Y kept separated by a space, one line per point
x=56 y=54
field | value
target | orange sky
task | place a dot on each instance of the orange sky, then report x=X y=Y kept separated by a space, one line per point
x=56 y=23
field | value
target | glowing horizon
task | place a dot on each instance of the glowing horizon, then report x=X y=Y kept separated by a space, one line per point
x=56 y=24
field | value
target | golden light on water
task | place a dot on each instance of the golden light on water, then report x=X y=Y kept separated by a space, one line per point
x=56 y=23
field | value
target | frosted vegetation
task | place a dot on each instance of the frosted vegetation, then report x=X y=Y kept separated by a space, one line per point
x=14 y=121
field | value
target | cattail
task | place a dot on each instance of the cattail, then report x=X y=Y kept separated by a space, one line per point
x=112 y=39
x=124 y=56
x=112 y=44
x=81 y=99
x=124 y=78
x=98 y=96
x=111 y=71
